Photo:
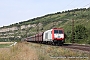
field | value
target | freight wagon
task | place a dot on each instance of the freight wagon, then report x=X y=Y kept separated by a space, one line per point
x=54 y=36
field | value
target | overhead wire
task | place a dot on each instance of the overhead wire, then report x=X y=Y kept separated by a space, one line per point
x=76 y=4
x=79 y=3
x=86 y=5
x=68 y=4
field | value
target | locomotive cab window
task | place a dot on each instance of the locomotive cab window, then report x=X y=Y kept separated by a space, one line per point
x=55 y=31
x=60 y=32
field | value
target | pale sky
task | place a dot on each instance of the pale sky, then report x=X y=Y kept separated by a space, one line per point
x=14 y=11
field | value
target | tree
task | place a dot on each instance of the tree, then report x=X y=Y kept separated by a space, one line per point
x=80 y=32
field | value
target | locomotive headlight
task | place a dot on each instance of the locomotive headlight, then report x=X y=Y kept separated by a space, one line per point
x=58 y=36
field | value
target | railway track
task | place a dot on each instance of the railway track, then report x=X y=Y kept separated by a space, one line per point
x=76 y=46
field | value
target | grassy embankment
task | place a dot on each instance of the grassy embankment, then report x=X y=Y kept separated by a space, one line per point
x=33 y=51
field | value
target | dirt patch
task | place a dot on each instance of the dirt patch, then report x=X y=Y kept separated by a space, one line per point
x=6 y=42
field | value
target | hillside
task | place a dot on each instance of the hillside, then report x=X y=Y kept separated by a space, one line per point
x=17 y=31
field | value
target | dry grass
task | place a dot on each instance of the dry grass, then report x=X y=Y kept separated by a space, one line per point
x=33 y=51
x=18 y=52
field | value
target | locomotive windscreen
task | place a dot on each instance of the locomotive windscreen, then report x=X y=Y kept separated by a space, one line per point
x=58 y=32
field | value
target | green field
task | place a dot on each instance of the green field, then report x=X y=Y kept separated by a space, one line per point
x=4 y=45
